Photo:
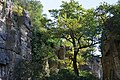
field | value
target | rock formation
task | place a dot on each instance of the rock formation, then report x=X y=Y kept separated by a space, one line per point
x=15 y=39
x=111 y=49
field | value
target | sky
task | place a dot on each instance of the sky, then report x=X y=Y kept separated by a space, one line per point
x=54 y=4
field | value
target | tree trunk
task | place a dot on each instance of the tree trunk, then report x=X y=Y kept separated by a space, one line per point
x=75 y=63
x=111 y=56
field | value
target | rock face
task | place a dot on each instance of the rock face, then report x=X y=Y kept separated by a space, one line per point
x=15 y=39
x=111 y=50
x=96 y=67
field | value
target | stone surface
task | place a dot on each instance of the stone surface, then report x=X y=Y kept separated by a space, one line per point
x=111 y=50
x=15 y=40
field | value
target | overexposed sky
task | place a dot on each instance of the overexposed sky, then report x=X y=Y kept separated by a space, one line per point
x=54 y=4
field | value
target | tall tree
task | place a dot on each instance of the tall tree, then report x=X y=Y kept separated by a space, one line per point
x=77 y=26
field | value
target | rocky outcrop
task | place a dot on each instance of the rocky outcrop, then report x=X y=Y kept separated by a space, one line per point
x=15 y=40
x=111 y=49
x=96 y=67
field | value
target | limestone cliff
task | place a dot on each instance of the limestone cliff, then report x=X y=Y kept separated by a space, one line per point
x=15 y=39
x=111 y=49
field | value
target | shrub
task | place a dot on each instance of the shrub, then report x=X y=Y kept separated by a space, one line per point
x=66 y=74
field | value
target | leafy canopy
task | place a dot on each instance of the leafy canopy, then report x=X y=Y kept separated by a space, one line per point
x=77 y=27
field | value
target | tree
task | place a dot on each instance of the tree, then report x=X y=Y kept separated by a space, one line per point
x=76 y=25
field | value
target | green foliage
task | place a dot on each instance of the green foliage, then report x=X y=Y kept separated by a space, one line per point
x=18 y=10
x=77 y=27
x=75 y=24
x=35 y=12
x=108 y=16
x=23 y=70
x=42 y=44
x=41 y=51
x=65 y=74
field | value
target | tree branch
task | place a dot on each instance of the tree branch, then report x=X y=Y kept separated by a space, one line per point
x=85 y=46
x=79 y=40
x=67 y=39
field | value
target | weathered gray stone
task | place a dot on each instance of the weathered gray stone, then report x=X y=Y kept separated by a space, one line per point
x=15 y=41
x=111 y=49
x=3 y=37
x=29 y=34
x=2 y=44
x=61 y=52
x=3 y=58
x=2 y=30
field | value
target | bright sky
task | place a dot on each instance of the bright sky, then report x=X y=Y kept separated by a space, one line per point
x=54 y=4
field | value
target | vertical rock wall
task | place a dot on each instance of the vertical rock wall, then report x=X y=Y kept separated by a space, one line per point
x=111 y=50
x=15 y=38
